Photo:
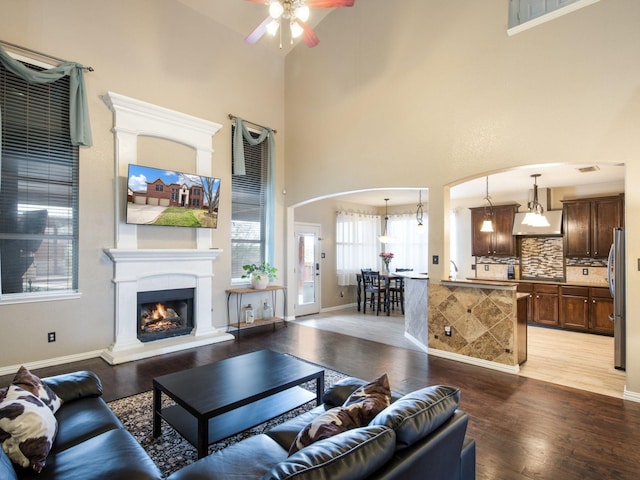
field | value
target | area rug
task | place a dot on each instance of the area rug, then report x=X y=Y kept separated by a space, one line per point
x=170 y=451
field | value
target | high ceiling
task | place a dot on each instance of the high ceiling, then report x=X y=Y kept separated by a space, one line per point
x=243 y=16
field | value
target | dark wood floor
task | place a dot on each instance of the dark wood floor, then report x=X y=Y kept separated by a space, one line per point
x=524 y=428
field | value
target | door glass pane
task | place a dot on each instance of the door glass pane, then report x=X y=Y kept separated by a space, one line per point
x=306 y=268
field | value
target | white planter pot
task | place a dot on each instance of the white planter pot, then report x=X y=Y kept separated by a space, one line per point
x=261 y=283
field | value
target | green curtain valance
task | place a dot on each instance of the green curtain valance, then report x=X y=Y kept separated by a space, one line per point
x=80 y=127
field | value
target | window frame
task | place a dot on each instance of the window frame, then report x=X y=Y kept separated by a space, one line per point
x=266 y=249
x=73 y=237
x=518 y=26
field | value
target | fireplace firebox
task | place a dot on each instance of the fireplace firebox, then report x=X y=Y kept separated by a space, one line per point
x=165 y=313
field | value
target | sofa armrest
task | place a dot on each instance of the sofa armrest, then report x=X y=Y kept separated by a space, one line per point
x=72 y=386
x=468 y=460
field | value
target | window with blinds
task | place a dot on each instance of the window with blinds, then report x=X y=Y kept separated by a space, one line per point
x=248 y=209
x=38 y=188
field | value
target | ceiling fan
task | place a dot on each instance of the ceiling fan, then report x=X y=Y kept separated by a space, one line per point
x=297 y=13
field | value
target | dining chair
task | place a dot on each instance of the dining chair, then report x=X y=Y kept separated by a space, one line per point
x=374 y=290
x=396 y=290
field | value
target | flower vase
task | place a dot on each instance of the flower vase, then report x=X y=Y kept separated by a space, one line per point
x=385 y=269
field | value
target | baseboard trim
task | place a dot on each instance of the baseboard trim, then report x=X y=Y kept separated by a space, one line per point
x=631 y=396
x=513 y=369
x=416 y=342
x=51 y=362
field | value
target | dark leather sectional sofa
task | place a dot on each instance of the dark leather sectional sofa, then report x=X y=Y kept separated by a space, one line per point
x=422 y=435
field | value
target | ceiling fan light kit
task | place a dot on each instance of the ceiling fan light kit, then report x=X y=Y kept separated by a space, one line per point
x=297 y=12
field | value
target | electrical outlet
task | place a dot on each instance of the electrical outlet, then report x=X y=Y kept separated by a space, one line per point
x=51 y=337
x=585 y=271
x=435 y=260
x=447 y=330
x=473 y=266
x=486 y=268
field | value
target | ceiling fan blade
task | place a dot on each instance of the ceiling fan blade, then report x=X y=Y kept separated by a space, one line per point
x=260 y=30
x=329 y=3
x=308 y=35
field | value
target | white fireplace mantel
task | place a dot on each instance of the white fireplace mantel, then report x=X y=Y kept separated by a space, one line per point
x=161 y=269
x=143 y=270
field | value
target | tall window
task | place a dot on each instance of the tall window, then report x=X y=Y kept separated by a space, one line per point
x=409 y=247
x=357 y=245
x=38 y=189
x=248 y=210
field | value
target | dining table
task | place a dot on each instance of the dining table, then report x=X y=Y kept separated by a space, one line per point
x=388 y=277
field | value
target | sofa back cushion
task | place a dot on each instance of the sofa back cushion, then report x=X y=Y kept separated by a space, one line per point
x=76 y=385
x=419 y=413
x=353 y=455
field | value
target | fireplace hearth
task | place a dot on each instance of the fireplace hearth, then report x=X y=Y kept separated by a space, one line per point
x=165 y=313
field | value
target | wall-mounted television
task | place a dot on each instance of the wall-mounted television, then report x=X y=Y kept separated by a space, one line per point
x=157 y=196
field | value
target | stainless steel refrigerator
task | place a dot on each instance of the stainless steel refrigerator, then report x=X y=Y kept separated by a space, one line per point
x=616 y=269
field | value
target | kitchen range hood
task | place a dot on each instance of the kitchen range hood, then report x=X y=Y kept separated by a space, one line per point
x=555 y=225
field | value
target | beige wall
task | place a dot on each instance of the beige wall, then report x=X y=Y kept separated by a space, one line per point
x=436 y=92
x=161 y=52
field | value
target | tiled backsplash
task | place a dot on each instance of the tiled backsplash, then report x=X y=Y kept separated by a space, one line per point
x=541 y=259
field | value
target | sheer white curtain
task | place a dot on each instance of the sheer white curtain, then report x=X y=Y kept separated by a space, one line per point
x=410 y=248
x=357 y=245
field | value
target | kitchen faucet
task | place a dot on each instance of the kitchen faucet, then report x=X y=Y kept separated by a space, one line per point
x=455 y=270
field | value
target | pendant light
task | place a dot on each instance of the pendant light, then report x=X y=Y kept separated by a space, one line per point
x=385 y=237
x=535 y=216
x=487 y=224
x=420 y=214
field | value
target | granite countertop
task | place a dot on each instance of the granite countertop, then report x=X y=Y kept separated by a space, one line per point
x=549 y=282
x=479 y=283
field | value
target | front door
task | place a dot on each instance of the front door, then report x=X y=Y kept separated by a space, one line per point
x=307 y=299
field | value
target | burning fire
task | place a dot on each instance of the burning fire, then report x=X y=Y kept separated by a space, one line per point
x=158 y=319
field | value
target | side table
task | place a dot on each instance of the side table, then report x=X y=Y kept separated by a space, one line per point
x=239 y=321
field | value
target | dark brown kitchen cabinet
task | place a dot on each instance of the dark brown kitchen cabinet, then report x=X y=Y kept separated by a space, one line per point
x=586 y=309
x=574 y=308
x=500 y=242
x=601 y=308
x=588 y=225
x=545 y=304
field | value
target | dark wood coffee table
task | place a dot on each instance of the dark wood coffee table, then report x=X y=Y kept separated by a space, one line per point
x=218 y=400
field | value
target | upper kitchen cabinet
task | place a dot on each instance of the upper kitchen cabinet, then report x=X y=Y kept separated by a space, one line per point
x=588 y=225
x=500 y=242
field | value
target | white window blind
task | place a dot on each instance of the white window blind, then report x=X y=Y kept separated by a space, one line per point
x=38 y=188
x=248 y=209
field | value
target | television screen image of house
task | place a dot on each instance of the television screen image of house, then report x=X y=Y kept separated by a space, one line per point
x=170 y=198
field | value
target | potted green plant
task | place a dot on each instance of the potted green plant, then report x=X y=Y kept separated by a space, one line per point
x=260 y=274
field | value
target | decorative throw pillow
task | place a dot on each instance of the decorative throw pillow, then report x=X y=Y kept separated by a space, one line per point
x=374 y=397
x=358 y=410
x=31 y=383
x=27 y=428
